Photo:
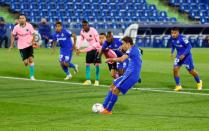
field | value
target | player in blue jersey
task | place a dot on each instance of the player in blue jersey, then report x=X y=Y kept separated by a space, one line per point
x=183 y=57
x=129 y=78
x=63 y=37
x=116 y=68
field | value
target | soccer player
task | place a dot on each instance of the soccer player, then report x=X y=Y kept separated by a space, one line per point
x=25 y=33
x=116 y=68
x=129 y=78
x=92 y=37
x=63 y=37
x=102 y=38
x=183 y=57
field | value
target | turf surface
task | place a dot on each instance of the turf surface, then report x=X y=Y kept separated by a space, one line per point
x=42 y=106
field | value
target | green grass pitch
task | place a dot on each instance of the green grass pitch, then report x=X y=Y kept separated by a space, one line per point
x=55 y=106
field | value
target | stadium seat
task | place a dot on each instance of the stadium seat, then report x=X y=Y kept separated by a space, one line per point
x=193 y=40
x=118 y=11
x=157 y=42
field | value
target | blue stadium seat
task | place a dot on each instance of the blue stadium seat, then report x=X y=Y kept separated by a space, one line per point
x=200 y=41
x=147 y=41
x=139 y=41
x=165 y=41
x=121 y=12
x=193 y=40
x=157 y=42
x=152 y=7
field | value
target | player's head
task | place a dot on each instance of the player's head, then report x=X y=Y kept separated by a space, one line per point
x=85 y=25
x=43 y=21
x=22 y=19
x=175 y=32
x=109 y=36
x=58 y=26
x=102 y=38
x=127 y=43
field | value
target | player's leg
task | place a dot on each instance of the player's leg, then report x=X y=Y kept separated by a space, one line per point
x=97 y=62
x=71 y=65
x=113 y=97
x=197 y=78
x=6 y=42
x=176 y=74
x=64 y=66
x=27 y=57
x=120 y=72
x=190 y=67
x=31 y=67
x=108 y=96
x=96 y=83
x=89 y=59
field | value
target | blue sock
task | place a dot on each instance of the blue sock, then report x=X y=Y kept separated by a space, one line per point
x=177 y=80
x=97 y=72
x=112 y=101
x=88 y=72
x=197 y=79
x=31 y=69
x=71 y=65
x=65 y=69
x=107 y=99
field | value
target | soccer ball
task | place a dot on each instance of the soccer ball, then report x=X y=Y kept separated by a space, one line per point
x=97 y=108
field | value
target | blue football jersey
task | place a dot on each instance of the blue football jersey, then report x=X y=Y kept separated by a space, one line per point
x=135 y=61
x=64 y=39
x=181 y=44
x=114 y=45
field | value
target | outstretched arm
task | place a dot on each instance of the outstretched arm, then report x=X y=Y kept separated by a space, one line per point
x=119 y=59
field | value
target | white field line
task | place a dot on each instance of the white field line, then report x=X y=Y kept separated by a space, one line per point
x=162 y=90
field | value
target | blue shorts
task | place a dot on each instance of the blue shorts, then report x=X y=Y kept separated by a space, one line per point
x=125 y=82
x=65 y=57
x=187 y=62
x=122 y=65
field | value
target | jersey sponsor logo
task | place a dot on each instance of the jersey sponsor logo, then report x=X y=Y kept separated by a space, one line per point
x=179 y=45
x=59 y=39
x=177 y=42
x=185 y=40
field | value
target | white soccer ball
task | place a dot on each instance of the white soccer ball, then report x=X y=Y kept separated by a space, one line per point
x=97 y=108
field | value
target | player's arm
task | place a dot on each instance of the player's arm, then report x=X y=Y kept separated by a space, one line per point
x=90 y=48
x=104 y=47
x=80 y=41
x=119 y=59
x=33 y=39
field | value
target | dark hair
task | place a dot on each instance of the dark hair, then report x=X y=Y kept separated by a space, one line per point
x=102 y=34
x=85 y=22
x=128 y=39
x=58 y=23
x=22 y=15
x=35 y=25
x=109 y=33
x=175 y=29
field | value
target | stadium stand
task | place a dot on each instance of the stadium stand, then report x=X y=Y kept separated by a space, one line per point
x=114 y=15
x=104 y=14
x=196 y=9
